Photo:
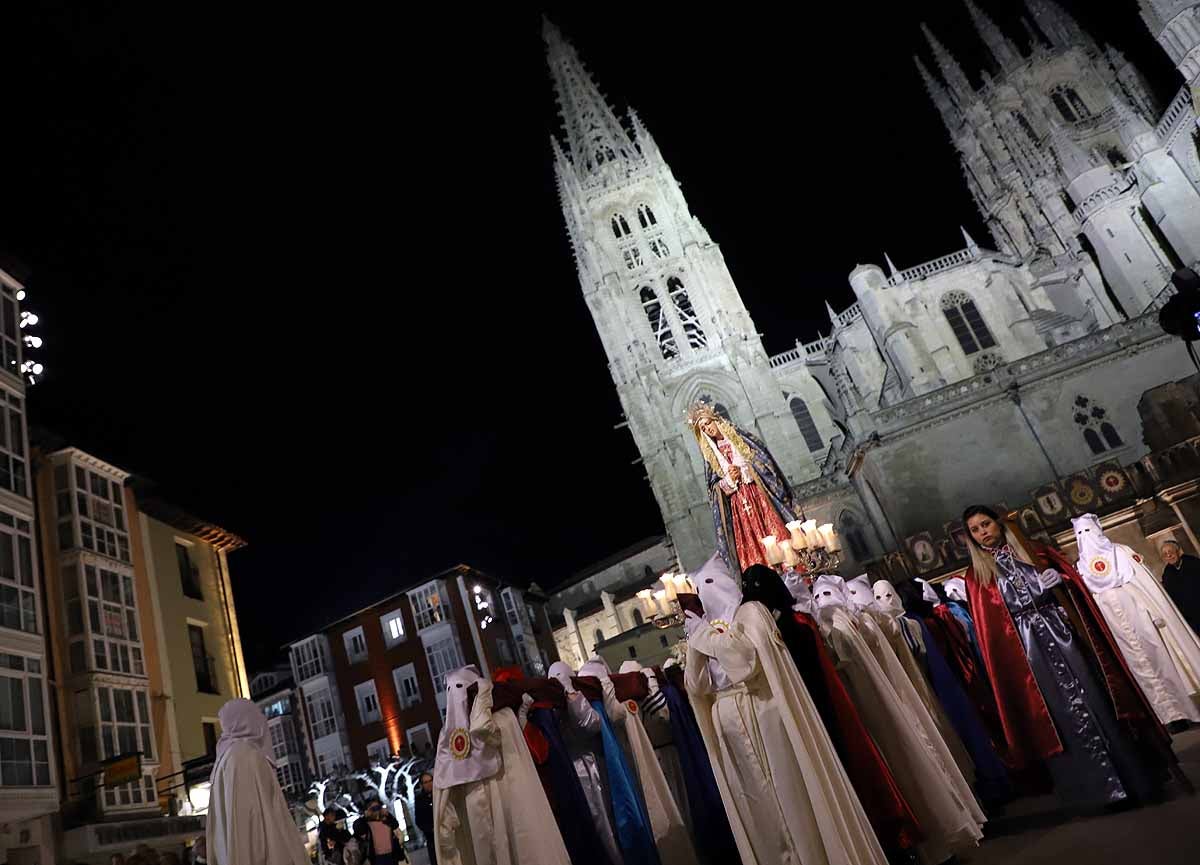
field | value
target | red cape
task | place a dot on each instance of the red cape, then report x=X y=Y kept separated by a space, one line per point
x=1028 y=728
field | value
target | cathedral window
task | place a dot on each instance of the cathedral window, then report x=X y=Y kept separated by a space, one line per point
x=808 y=427
x=619 y=226
x=1023 y=122
x=633 y=257
x=659 y=325
x=1098 y=431
x=659 y=247
x=966 y=322
x=1068 y=103
x=646 y=216
x=687 y=314
x=719 y=408
x=637 y=617
x=852 y=532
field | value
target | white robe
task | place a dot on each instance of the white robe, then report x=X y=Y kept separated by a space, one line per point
x=249 y=822
x=936 y=791
x=504 y=819
x=1164 y=660
x=783 y=786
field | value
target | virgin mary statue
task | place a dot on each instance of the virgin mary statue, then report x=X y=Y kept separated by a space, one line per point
x=749 y=494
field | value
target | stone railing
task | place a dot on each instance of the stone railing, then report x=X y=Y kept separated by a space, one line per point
x=1178 y=116
x=929 y=268
x=784 y=358
x=803 y=351
x=849 y=316
x=995 y=382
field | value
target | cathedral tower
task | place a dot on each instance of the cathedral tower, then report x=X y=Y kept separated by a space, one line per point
x=670 y=318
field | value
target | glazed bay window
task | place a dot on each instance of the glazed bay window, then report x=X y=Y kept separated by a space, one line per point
x=309 y=659
x=91 y=512
x=24 y=752
x=429 y=605
x=13 y=461
x=321 y=714
x=124 y=715
x=111 y=625
x=18 y=594
x=443 y=657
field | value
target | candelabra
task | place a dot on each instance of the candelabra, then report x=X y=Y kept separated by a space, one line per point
x=811 y=549
x=662 y=605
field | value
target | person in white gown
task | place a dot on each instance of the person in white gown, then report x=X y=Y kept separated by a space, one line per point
x=883 y=633
x=656 y=718
x=489 y=807
x=581 y=732
x=249 y=822
x=786 y=793
x=926 y=774
x=671 y=836
x=1162 y=652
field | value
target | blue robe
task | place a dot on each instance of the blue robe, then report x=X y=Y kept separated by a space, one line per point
x=774 y=484
x=631 y=822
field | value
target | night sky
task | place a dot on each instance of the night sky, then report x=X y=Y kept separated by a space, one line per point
x=308 y=273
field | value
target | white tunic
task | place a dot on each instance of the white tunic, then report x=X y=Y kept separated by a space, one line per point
x=249 y=822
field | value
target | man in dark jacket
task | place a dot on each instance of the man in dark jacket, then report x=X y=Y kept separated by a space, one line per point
x=423 y=815
x=1181 y=580
x=376 y=834
x=331 y=838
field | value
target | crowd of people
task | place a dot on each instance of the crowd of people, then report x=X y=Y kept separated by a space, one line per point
x=813 y=719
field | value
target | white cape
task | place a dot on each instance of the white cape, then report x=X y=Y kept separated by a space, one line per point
x=784 y=788
x=249 y=822
x=504 y=819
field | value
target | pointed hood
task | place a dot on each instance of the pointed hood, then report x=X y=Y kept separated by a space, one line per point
x=718 y=590
x=859 y=594
x=464 y=756
x=563 y=672
x=243 y=721
x=887 y=599
x=829 y=594
x=801 y=593
x=956 y=589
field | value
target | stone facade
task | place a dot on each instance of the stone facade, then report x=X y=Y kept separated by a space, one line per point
x=1091 y=195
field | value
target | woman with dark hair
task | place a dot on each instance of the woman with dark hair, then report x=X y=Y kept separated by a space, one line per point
x=1062 y=689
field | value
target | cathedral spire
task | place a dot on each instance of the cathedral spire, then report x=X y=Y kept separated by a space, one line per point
x=1060 y=28
x=594 y=136
x=941 y=99
x=1002 y=48
x=892 y=271
x=960 y=88
x=972 y=246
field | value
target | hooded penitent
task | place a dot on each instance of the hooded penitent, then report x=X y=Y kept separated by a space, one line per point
x=1161 y=650
x=248 y=818
x=758 y=713
x=489 y=805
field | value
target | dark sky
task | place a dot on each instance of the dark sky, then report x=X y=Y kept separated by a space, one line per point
x=307 y=270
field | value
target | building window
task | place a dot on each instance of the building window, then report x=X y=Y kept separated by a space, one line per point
x=407 y=686
x=99 y=506
x=210 y=737
x=966 y=322
x=638 y=618
x=24 y=754
x=1098 y=431
x=1023 y=122
x=420 y=742
x=428 y=605
x=443 y=657
x=393 y=628
x=1068 y=103
x=808 y=427
x=189 y=574
x=367 y=699
x=659 y=326
x=633 y=256
x=619 y=226
x=202 y=662
x=13 y=464
x=632 y=651
x=662 y=641
x=505 y=651
x=283 y=738
x=512 y=610
x=646 y=216
x=597 y=637
x=290 y=778
x=112 y=620
x=124 y=723
x=10 y=329
x=379 y=752
x=658 y=245
x=687 y=315
x=852 y=533
x=321 y=714
x=18 y=592
x=355 y=641
x=309 y=658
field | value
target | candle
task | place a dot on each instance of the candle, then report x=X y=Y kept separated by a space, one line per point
x=647 y=599
x=829 y=537
x=789 y=555
x=682 y=584
x=771 y=548
x=668 y=582
x=660 y=598
x=797 y=530
x=811 y=535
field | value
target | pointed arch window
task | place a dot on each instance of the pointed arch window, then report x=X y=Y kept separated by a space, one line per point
x=968 y=325
x=1069 y=104
x=687 y=314
x=1023 y=122
x=646 y=216
x=659 y=325
x=619 y=226
x=599 y=635
x=1098 y=430
x=808 y=427
x=638 y=619
x=851 y=530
